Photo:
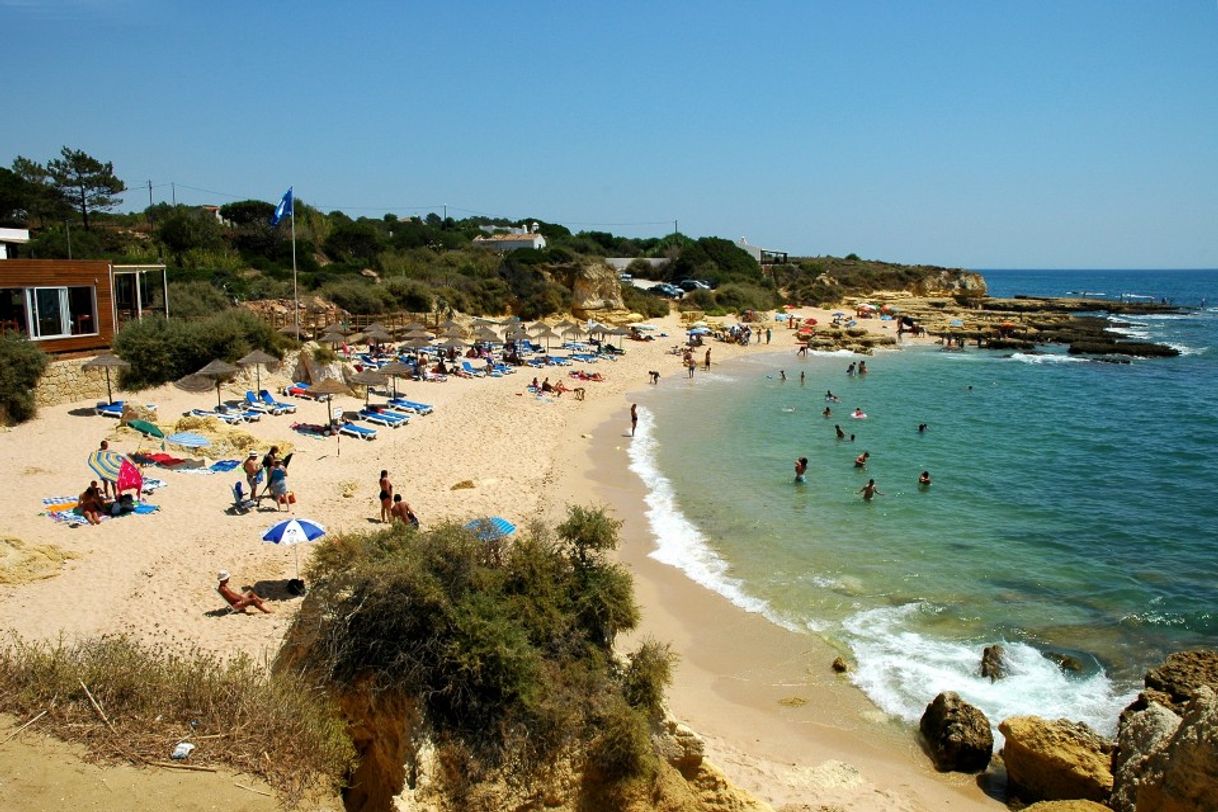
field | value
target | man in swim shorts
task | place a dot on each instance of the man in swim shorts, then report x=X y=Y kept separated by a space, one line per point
x=869 y=490
x=801 y=469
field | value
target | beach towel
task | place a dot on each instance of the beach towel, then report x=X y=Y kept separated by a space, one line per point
x=151 y=485
x=223 y=466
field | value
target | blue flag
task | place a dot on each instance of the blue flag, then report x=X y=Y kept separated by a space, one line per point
x=284 y=209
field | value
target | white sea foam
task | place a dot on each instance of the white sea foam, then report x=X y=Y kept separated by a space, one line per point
x=1184 y=349
x=1047 y=358
x=902 y=670
x=1133 y=331
x=678 y=542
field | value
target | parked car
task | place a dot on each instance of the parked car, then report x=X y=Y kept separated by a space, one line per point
x=688 y=285
x=624 y=277
x=666 y=290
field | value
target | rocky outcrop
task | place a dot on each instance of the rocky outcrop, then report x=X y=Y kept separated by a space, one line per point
x=1059 y=760
x=1066 y=806
x=1180 y=774
x=993 y=663
x=594 y=289
x=1183 y=674
x=957 y=735
x=1143 y=734
x=946 y=282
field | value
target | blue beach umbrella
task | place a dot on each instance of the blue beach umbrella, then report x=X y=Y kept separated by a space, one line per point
x=491 y=528
x=292 y=533
x=188 y=439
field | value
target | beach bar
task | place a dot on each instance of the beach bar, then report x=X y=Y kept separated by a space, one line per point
x=77 y=305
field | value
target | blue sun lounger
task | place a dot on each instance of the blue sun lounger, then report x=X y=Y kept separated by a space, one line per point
x=114 y=409
x=359 y=432
x=231 y=419
x=411 y=406
x=389 y=419
x=270 y=402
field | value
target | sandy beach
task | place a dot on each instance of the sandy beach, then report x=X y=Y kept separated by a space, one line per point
x=774 y=716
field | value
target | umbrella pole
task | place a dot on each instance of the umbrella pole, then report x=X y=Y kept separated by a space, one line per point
x=296 y=550
x=217 y=393
x=109 y=394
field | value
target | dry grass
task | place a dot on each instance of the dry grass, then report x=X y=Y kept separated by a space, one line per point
x=21 y=563
x=463 y=485
x=226 y=441
x=237 y=714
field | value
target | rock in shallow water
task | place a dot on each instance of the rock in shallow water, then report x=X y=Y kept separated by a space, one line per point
x=957 y=735
x=1055 y=761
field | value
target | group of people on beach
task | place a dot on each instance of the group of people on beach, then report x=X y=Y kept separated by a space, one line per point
x=393 y=508
x=273 y=471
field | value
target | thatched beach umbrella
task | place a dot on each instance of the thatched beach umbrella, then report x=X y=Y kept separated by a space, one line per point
x=547 y=334
x=377 y=334
x=337 y=327
x=331 y=387
x=257 y=359
x=486 y=334
x=395 y=370
x=368 y=378
x=106 y=361
x=449 y=324
x=453 y=344
x=414 y=325
x=217 y=371
x=293 y=331
x=333 y=339
x=193 y=383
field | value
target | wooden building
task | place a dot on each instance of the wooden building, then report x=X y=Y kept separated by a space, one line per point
x=77 y=305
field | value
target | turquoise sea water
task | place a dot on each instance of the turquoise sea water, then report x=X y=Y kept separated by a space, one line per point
x=1072 y=511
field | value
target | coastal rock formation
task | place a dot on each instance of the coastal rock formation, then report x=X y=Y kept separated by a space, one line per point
x=1066 y=662
x=840 y=666
x=1143 y=734
x=1066 y=806
x=595 y=288
x=1182 y=774
x=947 y=282
x=1059 y=760
x=993 y=662
x=957 y=735
x=1183 y=674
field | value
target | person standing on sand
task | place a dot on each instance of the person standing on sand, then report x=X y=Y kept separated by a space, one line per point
x=105 y=446
x=634 y=417
x=707 y=366
x=386 y=497
x=768 y=334
x=801 y=469
x=252 y=471
x=869 y=490
x=692 y=366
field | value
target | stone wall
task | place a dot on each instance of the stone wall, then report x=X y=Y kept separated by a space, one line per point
x=65 y=381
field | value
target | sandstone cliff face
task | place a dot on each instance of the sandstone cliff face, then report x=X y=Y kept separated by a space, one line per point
x=1181 y=775
x=951 y=283
x=594 y=289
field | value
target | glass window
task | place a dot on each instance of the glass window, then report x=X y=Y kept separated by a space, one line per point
x=48 y=311
x=80 y=311
x=12 y=311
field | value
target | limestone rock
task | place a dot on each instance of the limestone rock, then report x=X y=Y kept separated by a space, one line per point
x=595 y=288
x=993 y=662
x=1183 y=673
x=1142 y=734
x=1066 y=662
x=1058 y=760
x=680 y=747
x=1183 y=775
x=840 y=665
x=1066 y=806
x=957 y=735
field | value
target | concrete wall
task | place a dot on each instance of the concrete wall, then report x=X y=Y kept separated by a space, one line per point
x=65 y=381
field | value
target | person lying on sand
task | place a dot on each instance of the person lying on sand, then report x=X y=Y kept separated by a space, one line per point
x=91 y=504
x=239 y=601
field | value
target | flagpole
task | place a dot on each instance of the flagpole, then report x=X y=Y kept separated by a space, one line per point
x=295 y=293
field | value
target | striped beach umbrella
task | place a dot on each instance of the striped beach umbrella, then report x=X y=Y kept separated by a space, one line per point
x=106 y=464
x=491 y=528
x=292 y=533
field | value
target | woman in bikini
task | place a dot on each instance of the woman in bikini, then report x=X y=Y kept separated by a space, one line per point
x=386 y=497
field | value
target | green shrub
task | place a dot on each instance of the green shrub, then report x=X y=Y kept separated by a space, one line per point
x=623 y=749
x=192 y=300
x=507 y=647
x=22 y=363
x=161 y=350
x=359 y=297
x=648 y=675
x=410 y=294
x=742 y=296
x=640 y=301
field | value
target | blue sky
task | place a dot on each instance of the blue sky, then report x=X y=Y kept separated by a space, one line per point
x=983 y=134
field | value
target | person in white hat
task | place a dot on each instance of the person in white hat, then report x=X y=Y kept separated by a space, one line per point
x=239 y=601
x=252 y=472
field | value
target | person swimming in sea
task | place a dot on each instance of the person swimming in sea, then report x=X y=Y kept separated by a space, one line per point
x=841 y=435
x=921 y=428
x=830 y=397
x=869 y=490
x=782 y=374
x=858 y=413
x=861 y=460
x=924 y=480
x=801 y=469
x=827 y=413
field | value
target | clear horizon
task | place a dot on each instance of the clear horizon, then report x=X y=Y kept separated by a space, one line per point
x=986 y=136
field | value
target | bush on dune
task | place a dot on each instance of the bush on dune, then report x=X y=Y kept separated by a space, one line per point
x=507 y=646
x=21 y=365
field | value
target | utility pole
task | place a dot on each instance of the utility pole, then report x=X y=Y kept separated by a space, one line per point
x=675 y=229
x=150 y=201
x=174 y=189
x=444 y=222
